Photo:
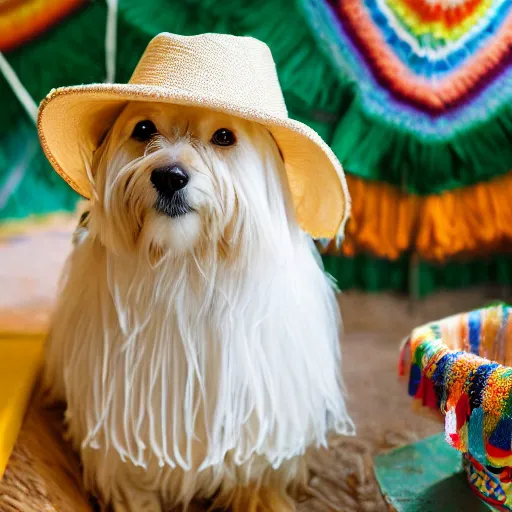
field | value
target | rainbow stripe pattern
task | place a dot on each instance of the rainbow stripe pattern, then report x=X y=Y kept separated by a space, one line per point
x=425 y=124
x=452 y=368
x=431 y=84
x=431 y=57
x=431 y=65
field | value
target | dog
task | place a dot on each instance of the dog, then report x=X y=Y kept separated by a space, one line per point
x=196 y=336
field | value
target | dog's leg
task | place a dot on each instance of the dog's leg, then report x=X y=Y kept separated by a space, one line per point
x=130 y=499
x=255 y=499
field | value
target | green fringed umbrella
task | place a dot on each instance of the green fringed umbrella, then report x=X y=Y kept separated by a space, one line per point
x=316 y=92
x=71 y=53
x=429 y=112
x=431 y=87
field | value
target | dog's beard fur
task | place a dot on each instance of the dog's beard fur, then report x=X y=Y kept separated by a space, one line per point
x=200 y=342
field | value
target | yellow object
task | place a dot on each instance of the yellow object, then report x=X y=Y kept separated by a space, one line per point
x=21 y=357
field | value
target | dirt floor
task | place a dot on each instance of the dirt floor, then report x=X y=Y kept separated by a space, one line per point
x=43 y=475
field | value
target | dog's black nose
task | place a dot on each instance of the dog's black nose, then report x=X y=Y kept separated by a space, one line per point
x=170 y=179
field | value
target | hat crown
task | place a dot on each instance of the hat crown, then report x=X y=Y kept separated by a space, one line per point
x=220 y=68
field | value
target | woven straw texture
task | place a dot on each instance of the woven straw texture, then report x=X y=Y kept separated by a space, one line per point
x=236 y=75
x=43 y=474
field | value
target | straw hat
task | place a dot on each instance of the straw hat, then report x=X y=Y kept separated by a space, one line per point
x=235 y=75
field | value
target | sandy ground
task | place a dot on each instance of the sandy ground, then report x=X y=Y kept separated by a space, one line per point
x=374 y=327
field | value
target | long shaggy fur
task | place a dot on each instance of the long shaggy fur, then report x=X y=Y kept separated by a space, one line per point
x=198 y=354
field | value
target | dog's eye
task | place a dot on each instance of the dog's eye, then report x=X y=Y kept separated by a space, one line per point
x=223 y=137
x=144 y=130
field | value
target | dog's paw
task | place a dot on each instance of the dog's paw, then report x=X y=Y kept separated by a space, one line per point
x=135 y=500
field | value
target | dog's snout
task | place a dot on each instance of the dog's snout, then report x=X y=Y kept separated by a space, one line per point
x=169 y=179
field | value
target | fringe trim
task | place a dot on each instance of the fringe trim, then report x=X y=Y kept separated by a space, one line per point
x=385 y=222
x=451 y=369
x=23 y=21
x=382 y=220
x=365 y=272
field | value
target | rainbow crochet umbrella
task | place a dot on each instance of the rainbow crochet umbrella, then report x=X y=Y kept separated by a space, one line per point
x=426 y=135
x=403 y=90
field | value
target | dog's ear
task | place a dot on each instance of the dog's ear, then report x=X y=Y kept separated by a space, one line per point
x=100 y=149
x=103 y=137
x=102 y=141
x=277 y=145
x=109 y=123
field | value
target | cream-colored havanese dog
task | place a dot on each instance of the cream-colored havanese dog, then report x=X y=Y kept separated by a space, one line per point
x=196 y=337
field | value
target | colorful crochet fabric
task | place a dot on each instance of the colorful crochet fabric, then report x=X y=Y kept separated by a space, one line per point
x=425 y=131
x=397 y=87
x=452 y=368
x=431 y=81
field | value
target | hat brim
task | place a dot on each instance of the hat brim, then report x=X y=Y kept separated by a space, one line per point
x=72 y=121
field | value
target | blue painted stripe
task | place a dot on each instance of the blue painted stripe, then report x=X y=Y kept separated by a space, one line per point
x=414 y=379
x=502 y=333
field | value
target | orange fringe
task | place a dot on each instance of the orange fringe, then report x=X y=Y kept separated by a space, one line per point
x=472 y=221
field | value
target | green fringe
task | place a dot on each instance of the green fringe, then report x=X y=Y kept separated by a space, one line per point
x=375 y=150
x=376 y=275
x=40 y=68
x=312 y=93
